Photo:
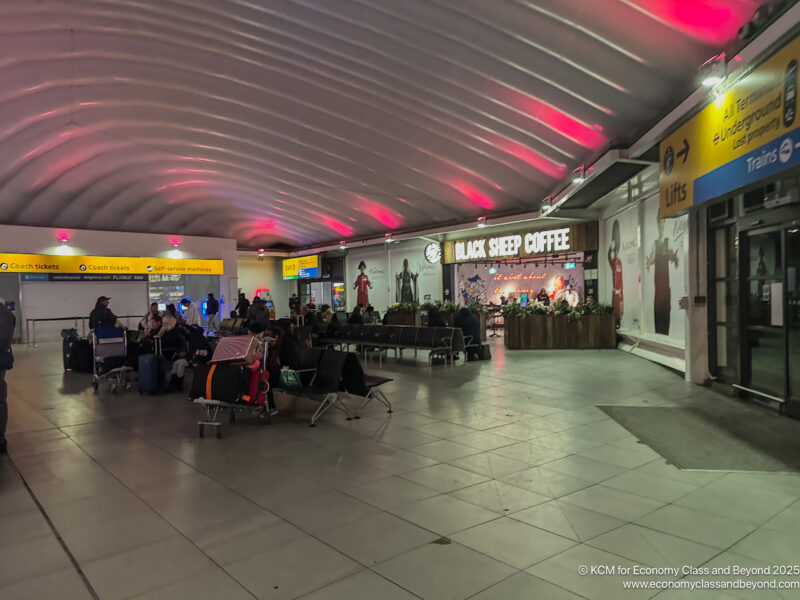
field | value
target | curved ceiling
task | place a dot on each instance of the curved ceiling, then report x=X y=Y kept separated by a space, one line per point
x=297 y=122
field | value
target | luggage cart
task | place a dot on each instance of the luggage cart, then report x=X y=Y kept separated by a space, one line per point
x=110 y=353
x=212 y=409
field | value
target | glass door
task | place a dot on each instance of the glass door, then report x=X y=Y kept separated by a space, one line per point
x=793 y=309
x=764 y=360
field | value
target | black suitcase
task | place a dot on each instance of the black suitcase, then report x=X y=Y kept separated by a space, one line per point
x=220 y=381
x=152 y=372
x=77 y=355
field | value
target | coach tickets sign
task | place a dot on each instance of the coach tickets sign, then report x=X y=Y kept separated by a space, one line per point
x=575 y=238
x=107 y=265
x=747 y=134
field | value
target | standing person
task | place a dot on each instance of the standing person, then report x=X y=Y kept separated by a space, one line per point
x=405 y=279
x=294 y=302
x=7 y=324
x=212 y=308
x=363 y=285
x=191 y=316
x=660 y=257
x=102 y=316
x=616 y=272
x=242 y=306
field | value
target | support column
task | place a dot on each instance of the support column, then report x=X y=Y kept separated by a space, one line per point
x=697 y=310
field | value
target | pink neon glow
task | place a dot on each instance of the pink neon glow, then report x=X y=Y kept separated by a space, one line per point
x=63 y=235
x=565 y=125
x=175 y=241
x=181 y=184
x=380 y=213
x=714 y=22
x=475 y=195
x=525 y=154
x=337 y=226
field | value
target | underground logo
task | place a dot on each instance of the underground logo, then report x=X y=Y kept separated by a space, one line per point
x=3 y=266
x=785 y=151
x=149 y=268
x=82 y=267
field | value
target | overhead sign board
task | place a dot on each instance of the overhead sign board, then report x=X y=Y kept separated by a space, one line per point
x=305 y=267
x=747 y=134
x=106 y=265
x=522 y=244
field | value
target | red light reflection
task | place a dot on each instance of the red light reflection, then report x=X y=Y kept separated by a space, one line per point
x=714 y=22
x=380 y=213
x=475 y=195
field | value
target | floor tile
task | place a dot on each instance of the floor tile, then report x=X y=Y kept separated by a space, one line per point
x=584 y=468
x=654 y=548
x=767 y=545
x=444 y=478
x=31 y=558
x=275 y=575
x=696 y=526
x=524 y=585
x=215 y=584
x=612 y=502
x=325 y=511
x=444 y=571
x=547 y=483
x=444 y=450
x=483 y=440
x=444 y=515
x=392 y=491
x=650 y=486
x=499 y=497
x=513 y=542
x=567 y=520
x=146 y=568
x=376 y=538
x=63 y=584
x=490 y=465
x=364 y=584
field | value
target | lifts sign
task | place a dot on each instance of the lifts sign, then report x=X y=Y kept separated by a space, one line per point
x=749 y=133
x=521 y=245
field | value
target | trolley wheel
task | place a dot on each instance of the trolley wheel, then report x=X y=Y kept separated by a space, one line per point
x=219 y=432
x=201 y=430
x=129 y=386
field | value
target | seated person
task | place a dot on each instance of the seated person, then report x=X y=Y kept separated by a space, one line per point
x=178 y=371
x=356 y=318
x=543 y=297
x=470 y=326
x=435 y=318
x=151 y=322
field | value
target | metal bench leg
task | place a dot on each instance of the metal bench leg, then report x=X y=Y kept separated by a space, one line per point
x=330 y=400
x=374 y=394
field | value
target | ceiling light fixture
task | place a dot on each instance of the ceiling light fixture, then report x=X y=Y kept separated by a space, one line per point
x=579 y=175
x=481 y=222
x=389 y=239
x=713 y=71
x=342 y=245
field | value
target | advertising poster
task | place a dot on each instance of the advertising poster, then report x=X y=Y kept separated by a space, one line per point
x=475 y=282
x=664 y=278
x=413 y=277
x=622 y=268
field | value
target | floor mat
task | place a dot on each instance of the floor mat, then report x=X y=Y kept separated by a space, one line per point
x=719 y=436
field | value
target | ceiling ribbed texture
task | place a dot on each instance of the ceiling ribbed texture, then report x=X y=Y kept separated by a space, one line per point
x=299 y=122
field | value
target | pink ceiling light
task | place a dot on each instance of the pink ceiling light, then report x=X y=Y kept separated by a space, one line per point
x=380 y=213
x=475 y=195
x=336 y=226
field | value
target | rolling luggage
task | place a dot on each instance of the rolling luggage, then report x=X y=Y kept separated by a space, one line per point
x=485 y=352
x=221 y=381
x=77 y=355
x=152 y=372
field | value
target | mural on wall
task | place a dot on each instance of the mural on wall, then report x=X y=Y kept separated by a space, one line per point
x=362 y=285
x=646 y=283
x=512 y=280
x=623 y=269
x=664 y=292
x=396 y=271
x=406 y=284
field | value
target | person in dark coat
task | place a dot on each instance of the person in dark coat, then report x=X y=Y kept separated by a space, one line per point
x=356 y=318
x=102 y=316
x=435 y=318
x=242 y=306
x=470 y=326
x=7 y=324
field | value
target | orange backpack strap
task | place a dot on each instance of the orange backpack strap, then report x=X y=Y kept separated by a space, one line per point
x=209 y=377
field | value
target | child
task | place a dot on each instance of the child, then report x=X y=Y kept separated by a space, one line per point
x=177 y=373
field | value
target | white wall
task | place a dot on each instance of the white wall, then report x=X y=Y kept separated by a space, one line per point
x=45 y=240
x=266 y=273
x=383 y=264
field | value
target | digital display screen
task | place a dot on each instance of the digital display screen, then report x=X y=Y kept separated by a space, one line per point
x=305 y=267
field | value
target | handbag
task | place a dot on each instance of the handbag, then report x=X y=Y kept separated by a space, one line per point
x=289 y=379
x=6 y=359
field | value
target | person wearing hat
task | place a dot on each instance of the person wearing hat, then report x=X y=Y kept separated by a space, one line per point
x=7 y=323
x=363 y=285
x=102 y=316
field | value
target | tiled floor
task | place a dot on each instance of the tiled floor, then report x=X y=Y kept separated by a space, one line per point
x=490 y=481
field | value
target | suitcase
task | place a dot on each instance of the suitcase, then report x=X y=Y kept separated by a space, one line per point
x=485 y=352
x=257 y=388
x=152 y=372
x=221 y=381
x=77 y=355
x=239 y=350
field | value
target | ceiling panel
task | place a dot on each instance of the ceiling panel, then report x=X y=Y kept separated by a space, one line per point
x=299 y=122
